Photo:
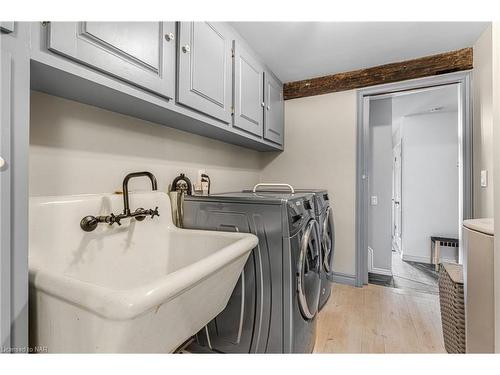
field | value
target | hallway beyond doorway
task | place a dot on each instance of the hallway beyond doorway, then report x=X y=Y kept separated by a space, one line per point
x=406 y=275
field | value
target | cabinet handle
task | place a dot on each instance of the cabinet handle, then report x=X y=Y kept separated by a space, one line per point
x=169 y=37
x=263 y=104
x=268 y=107
x=186 y=48
x=2 y=162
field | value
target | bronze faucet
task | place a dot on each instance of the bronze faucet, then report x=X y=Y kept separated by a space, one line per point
x=89 y=223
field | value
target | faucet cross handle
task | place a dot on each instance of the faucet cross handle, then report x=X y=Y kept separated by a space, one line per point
x=114 y=219
x=154 y=212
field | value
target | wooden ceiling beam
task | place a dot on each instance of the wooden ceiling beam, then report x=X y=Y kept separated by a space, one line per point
x=442 y=63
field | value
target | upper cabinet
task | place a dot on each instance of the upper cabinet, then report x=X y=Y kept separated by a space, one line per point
x=273 y=117
x=248 y=91
x=200 y=77
x=142 y=53
x=205 y=74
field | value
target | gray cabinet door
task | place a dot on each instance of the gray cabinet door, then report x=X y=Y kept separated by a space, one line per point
x=248 y=92
x=204 y=69
x=142 y=53
x=273 y=118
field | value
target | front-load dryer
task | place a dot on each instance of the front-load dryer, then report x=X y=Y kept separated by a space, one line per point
x=274 y=305
x=324 y=216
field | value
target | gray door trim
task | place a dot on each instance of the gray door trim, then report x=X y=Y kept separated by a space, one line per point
x=5 y=206
x=463 y=79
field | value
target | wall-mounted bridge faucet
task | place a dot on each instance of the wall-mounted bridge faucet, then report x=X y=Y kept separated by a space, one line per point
x=89 y=223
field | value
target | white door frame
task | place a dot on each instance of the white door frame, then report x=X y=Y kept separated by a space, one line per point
x=396 y=195
x=463 y=79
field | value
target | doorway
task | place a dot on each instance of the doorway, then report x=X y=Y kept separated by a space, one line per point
x=381 y=202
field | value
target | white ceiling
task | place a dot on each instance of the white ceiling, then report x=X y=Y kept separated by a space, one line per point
x=443 y=99
x=302 y=50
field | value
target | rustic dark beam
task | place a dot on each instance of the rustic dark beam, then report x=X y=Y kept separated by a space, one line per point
x=442 y=63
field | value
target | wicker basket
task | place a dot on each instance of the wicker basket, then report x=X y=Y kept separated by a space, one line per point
x=451 y=298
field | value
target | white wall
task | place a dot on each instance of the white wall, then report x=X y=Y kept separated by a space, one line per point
x=76 y=148
x=430 y=179
x=486 y=93
x=320 y=151
x=380 y=185
x=496 y=137
x=483 y=123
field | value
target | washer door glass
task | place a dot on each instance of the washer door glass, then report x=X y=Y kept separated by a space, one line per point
x=308 y=271
x=328 y=241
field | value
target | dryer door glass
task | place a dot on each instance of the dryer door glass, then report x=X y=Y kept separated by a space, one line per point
x=308 y=271
x=328 y=241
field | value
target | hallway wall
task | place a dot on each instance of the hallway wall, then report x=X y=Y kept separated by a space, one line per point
x=430 y=180
x=380 y=186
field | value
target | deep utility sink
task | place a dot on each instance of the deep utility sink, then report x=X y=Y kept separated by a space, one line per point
x=143 y=286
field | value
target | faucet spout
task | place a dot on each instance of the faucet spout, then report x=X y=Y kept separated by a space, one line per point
x=154 y=186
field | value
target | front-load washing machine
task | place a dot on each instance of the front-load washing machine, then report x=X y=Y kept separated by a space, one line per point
x=324 y=216
x=274 y=305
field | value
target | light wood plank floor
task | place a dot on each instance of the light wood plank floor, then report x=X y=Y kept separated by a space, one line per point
x=376 y=319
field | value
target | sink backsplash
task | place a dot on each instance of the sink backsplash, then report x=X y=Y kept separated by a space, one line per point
x=77 y=148
x=57 y=239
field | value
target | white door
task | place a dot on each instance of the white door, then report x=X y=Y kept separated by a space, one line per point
x=396 y=197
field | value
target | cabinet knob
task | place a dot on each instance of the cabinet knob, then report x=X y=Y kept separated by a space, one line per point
x=169 y=37
x=186 y=48
x=268 y=107
x=263 y=104
x=2 y=162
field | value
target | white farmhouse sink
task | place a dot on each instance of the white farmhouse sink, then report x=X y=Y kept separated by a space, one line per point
x=139 y=287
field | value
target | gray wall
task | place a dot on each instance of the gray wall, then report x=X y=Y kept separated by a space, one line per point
x=380 y=185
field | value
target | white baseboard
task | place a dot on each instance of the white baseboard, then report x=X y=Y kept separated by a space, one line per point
x=422 y=259
x=372 y=269
x=415 y=258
